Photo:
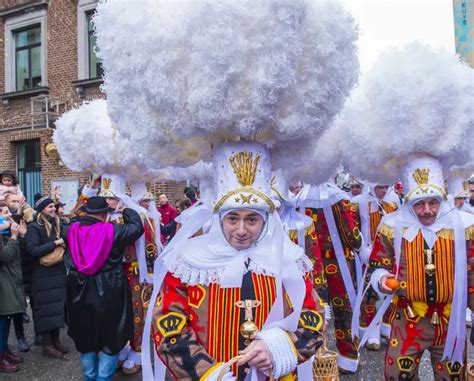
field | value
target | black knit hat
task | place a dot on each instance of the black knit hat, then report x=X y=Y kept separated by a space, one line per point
x=37 y=196
x=42 y=203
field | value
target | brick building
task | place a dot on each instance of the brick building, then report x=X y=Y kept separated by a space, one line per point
x=47 y=65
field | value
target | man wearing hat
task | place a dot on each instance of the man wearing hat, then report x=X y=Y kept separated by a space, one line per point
x=458 y=194
x=427 y=246
x=98 y=296
x=338 y=236
x=356 y=187
x=241 y=289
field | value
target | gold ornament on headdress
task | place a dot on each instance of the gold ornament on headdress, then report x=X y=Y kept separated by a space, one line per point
x=149 y=188
x=421 y=176
x=465 y=185
x=245 y=167
x=107 y=183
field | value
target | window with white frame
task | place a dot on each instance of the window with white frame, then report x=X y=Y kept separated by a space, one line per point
x=25 y=52
x=89 y=66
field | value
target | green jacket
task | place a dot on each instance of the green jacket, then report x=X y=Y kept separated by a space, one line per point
x=12 y=296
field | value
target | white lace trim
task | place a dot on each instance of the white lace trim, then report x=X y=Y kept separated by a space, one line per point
x=281 y=348
x=193 y=275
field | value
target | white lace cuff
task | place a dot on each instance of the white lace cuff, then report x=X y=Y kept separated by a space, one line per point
x=375 y=280
x=327 y=312
x=89 y=192
x=282 y=350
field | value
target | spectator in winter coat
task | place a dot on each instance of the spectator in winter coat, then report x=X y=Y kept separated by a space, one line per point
x=48 y=282
x=12 y=297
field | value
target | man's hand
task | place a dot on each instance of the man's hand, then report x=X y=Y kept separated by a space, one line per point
x=382 y=284
x=59 y=242
x=22 y=228
x=257 y=355
x=95 y=183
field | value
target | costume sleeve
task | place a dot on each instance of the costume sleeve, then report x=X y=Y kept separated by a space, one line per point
x=383 y=255
x=382 y=258
x=348 y=225
x=470 y=271
x=175 y=341
x=307 y=337
x=87 y=191
x=127 y=233
x=319 y=279
x=173 y=213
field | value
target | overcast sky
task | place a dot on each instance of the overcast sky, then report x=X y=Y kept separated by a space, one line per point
x=387 y=23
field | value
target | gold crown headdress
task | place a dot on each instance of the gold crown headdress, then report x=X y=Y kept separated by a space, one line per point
x=245 y=167
x=107 y=182
x=421 y=176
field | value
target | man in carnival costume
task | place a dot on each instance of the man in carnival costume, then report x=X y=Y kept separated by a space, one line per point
x=338 y=235
x=242 y=289
x=275 y=97
x=427 y=246
x=139 y=266
x=470 y=201
x=301 y=230
x=299 y=227
x=459 y=194
x=356 y=187
x=371 y=206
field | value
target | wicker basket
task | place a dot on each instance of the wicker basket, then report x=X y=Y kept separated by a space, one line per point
x=470 y=371
x=325 y=364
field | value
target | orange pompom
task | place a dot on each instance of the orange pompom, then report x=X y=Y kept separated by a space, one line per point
x=392 y=283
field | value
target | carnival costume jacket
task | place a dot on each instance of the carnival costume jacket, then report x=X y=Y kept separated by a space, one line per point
x=329 y=282
x=421 y=308
x=141 y=293
x=196 y=328
x=376 y=210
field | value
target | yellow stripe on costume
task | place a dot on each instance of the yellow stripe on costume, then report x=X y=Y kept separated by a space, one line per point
x=206 y=375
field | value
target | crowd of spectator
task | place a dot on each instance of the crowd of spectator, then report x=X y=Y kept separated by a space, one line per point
x=33 y=270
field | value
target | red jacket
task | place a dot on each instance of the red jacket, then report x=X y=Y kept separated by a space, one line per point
x=168 y=213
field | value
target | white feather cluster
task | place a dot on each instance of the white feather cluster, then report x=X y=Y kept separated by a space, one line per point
x=87 y=140
x=199 y=171
x=190 y=75
x=323 y=160
x=414 y=101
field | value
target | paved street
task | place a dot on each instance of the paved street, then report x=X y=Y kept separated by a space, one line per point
x=38 y=368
